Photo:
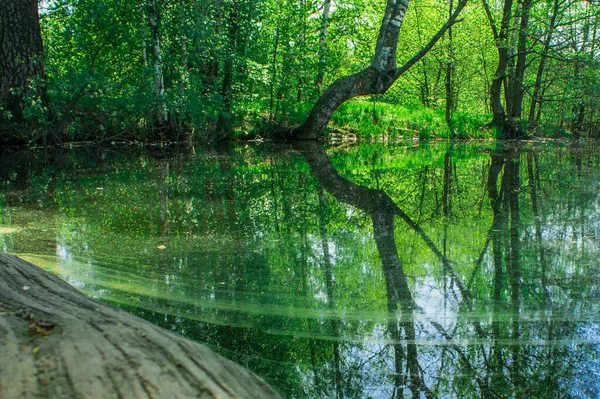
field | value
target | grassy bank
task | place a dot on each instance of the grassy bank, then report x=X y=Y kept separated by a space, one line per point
x=376 y=121
x=369 y=120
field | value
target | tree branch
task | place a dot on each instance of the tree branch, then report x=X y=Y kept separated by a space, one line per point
x=417 y=57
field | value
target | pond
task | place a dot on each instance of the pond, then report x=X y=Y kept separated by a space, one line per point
x=451 y=270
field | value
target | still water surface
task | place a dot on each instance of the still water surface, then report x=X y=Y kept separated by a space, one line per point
x=369 y=271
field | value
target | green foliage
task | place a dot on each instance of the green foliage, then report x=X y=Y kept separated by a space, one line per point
x=247 y=68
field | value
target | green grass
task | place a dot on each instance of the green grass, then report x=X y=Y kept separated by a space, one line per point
x=369 y=120
x=382 y=121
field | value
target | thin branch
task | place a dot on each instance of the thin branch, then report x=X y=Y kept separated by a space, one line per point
x=417 y=57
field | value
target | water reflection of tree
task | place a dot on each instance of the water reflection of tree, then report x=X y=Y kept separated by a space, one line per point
x=493 y=368
x=382 y=211
x=526 y=201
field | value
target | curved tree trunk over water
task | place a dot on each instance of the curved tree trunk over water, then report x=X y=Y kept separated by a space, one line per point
x=57 y=343
x=378 y=77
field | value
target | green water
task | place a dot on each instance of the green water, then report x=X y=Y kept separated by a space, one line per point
x=368 y=271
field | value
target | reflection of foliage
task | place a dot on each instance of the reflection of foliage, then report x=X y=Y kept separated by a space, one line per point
x=227 y=248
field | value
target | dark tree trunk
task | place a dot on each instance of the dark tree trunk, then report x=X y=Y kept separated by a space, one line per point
x=517 y=90
x=224 y=122
x=501 y=38
x=21 y=56
x=536 y=101
x=509 y=75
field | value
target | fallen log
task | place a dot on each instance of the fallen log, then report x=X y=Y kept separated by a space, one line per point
x=56 y=342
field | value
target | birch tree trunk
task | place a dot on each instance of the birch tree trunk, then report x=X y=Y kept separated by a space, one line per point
x=378 y=77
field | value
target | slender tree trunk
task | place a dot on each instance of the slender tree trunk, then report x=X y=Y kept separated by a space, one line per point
x=224 y=123
x=22 y=78
x=323 y=44
x=302 y=44
x=159 y=114
x=273 y=74
x=502 y=46
x=450 y=75
x=537 y=87
x=424 y=84
x=184 y=74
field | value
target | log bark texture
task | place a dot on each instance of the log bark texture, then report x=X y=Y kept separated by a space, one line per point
x=55 y=342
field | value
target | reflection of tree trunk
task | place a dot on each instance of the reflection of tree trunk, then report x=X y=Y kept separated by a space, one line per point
x=339 y=388
x=533 y=193
x=511 y=172
x=398 y=292
x=505 y=245
x=496 y=166
x=382 y=211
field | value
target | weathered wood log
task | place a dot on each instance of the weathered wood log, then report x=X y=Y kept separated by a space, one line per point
x=56 y=342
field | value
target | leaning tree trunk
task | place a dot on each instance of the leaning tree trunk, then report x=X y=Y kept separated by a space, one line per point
x=21 y=56
x=57 y=343
x=378 y=77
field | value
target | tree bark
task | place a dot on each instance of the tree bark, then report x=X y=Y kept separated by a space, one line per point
x=21 y=56
x=57 y=343
x=517 y=90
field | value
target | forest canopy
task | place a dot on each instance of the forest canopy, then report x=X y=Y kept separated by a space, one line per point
x=175 y=70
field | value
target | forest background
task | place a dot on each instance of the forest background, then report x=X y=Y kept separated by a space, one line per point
x=204 y=70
